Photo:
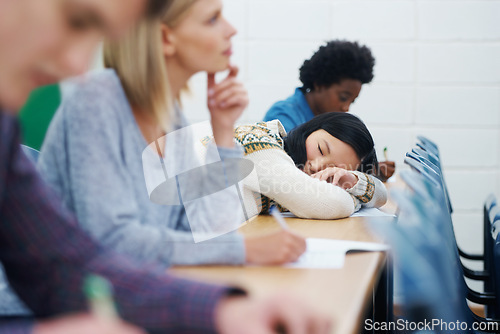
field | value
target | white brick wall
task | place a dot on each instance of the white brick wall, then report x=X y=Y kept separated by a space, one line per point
x=298 y=21
x=458 y=20
x=437 y=74
x=394 y=19
x=463 y=63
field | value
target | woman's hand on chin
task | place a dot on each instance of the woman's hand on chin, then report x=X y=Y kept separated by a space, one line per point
x=337 y=176
x=226 y=102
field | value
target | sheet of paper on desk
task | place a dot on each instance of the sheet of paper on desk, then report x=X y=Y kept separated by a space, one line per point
x=371 y=212
x=288 y=214
x=330 y=254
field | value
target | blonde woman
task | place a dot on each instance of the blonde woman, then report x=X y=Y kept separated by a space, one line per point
x=92 y=153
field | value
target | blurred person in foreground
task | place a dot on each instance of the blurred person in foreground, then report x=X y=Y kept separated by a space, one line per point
x=44 y=253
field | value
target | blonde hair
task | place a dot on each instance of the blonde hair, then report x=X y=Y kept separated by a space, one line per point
x=139 y=62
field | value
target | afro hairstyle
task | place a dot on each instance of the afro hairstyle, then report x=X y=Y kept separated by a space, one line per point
x=336 y=61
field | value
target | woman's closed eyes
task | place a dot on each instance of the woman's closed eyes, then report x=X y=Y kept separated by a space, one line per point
x=320 y=151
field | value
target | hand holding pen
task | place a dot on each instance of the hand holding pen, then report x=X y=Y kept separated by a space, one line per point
x=386 y=168
x=277 y=248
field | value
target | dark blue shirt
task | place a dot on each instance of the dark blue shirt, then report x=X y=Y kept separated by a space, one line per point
x=291 y=112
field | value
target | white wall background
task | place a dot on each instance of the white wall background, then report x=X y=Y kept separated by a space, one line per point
x=437 y=73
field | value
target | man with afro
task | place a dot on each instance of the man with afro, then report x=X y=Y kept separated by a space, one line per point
x=331 y=79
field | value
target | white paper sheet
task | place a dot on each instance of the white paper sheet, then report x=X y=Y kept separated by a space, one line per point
x=330 y=254
x=364 y=212
x=288 y=215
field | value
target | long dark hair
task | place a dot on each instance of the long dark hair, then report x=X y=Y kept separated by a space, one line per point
x=343 y=126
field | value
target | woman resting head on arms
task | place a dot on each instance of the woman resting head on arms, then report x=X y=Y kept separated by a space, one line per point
x=93 y=151
x=323 y=169
x=331 y=79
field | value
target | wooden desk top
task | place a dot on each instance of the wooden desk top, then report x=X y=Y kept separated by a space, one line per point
x=342 y=293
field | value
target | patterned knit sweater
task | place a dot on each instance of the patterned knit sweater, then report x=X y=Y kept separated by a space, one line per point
x=281 y=183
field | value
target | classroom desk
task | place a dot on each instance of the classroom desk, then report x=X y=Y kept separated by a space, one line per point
x=361 y=289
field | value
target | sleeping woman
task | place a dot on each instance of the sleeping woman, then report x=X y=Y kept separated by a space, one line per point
x=323 y=169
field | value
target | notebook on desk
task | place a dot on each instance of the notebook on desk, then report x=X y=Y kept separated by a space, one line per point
x=330 y=254
x=364 y=212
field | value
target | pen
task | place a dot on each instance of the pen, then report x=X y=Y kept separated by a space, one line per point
x=278 y=217
x=385 y=154
x=99 y=293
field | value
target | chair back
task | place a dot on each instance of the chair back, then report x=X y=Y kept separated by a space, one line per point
x=431 y=280
x=428 y=155
x=428 y=145
x=426 y=162
x=430 y=167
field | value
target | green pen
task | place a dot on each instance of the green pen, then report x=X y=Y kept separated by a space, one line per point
x=99 y=293
x=385 y=154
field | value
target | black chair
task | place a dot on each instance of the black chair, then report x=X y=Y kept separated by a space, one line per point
x=425 y=252
x=432 y=161
x=438 y=191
